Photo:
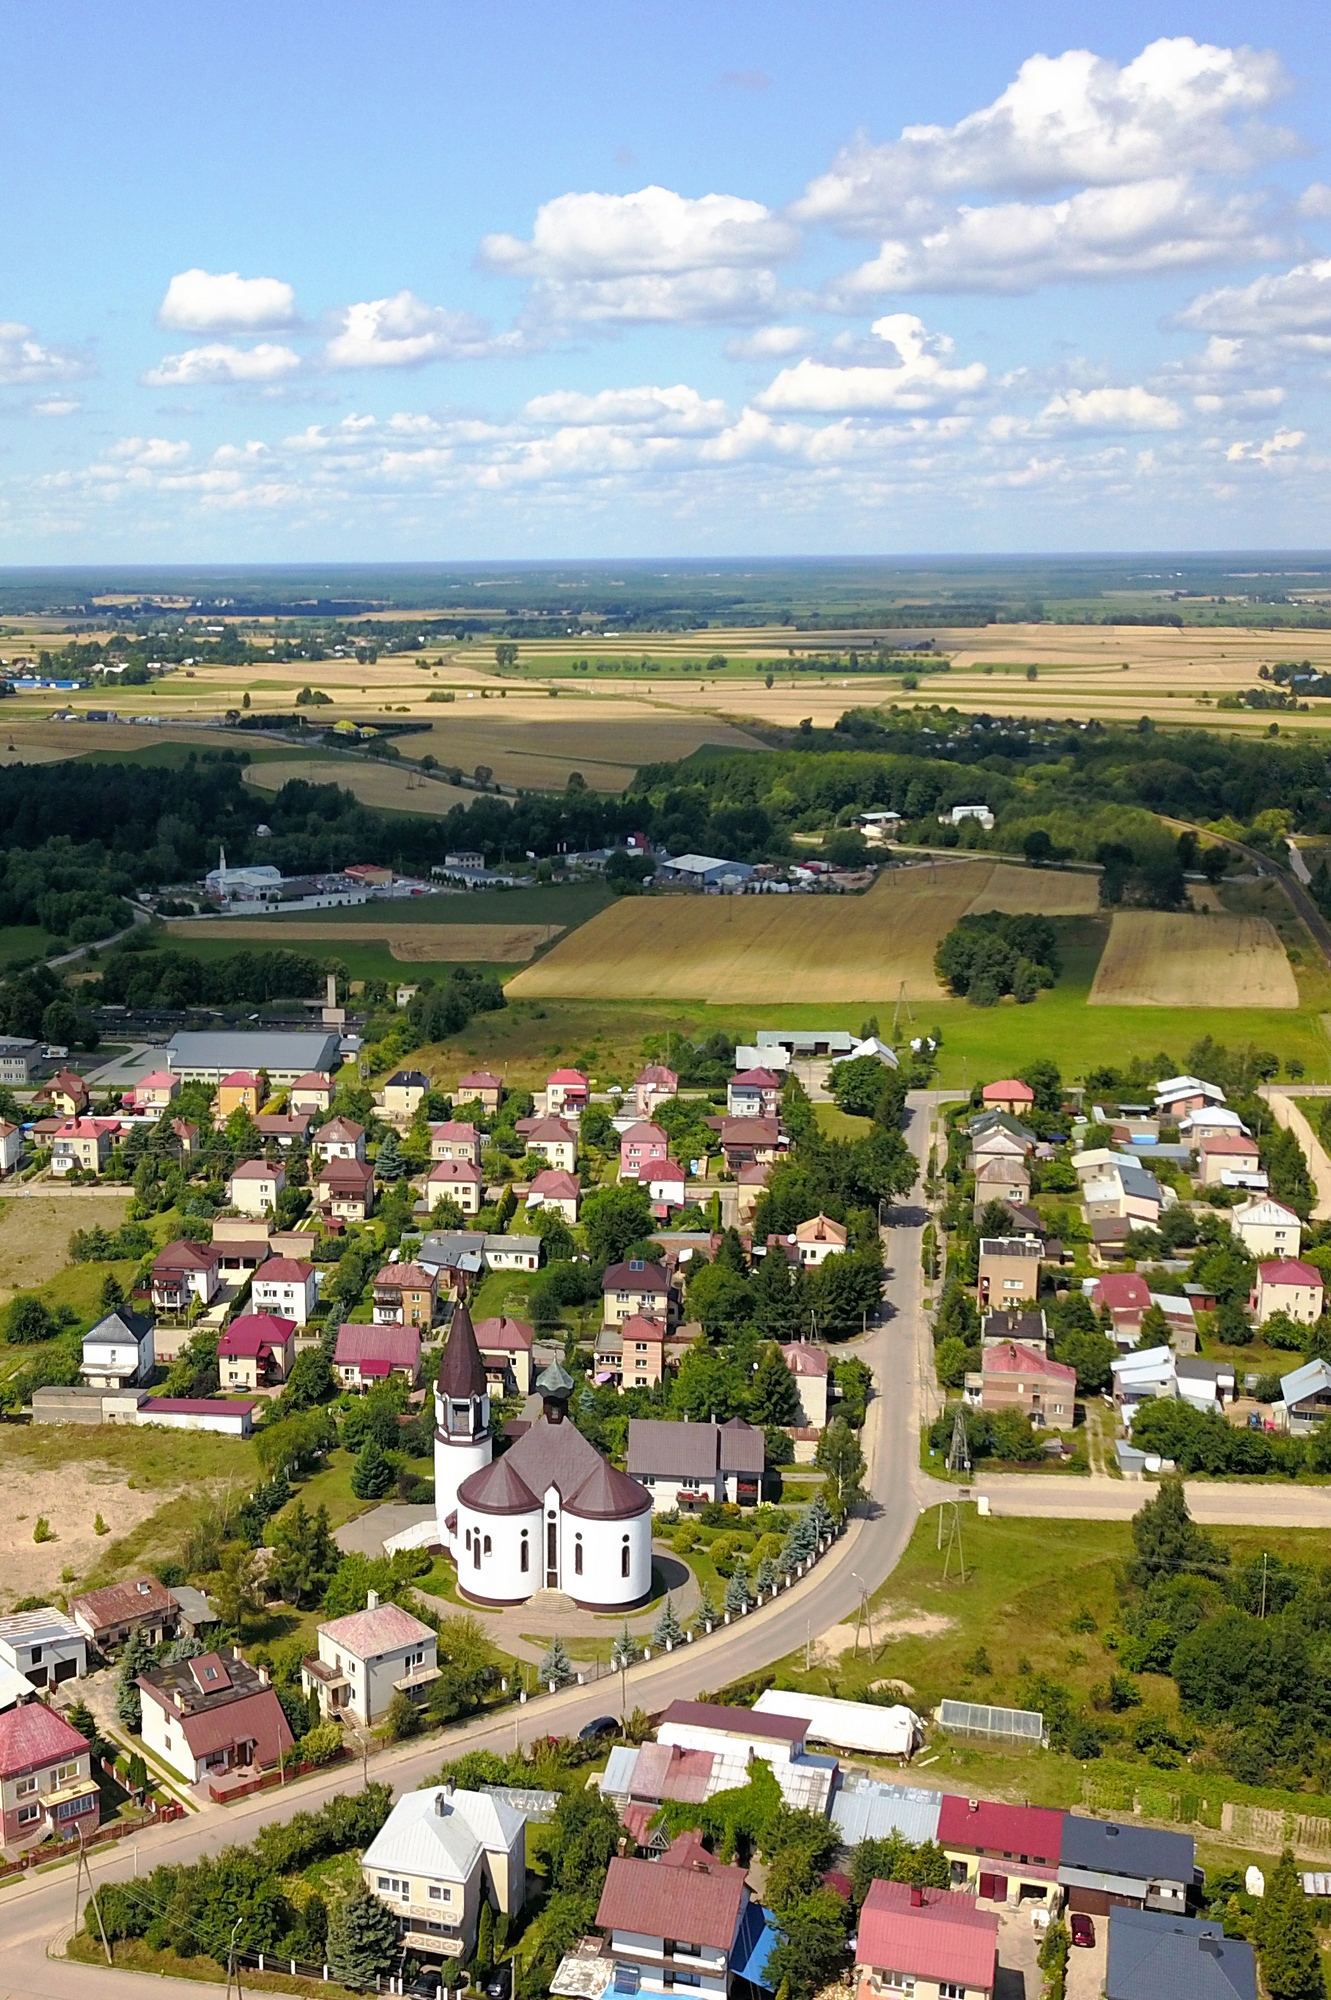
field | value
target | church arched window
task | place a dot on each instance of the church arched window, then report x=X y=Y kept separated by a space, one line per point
x=624 y=1558
x=577 y=1556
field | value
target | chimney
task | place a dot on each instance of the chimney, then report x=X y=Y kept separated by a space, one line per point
x=917 y=1899
x=263 y=1676
x=332 y=989
x=371 y=1600
x=441 y=1800
x=1212 y=1946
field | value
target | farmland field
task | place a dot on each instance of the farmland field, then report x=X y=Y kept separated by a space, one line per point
x=481 y=944
x=387 y=786
x=740 y=949
x=1045 y=892
x=1156 y=959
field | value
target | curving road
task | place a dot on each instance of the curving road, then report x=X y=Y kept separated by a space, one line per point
x=37 y=1911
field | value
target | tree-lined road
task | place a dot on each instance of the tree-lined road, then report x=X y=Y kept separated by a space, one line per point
x=35 y=1912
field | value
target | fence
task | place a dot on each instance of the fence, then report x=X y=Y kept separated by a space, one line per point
x=1264 y=1828
x=297 y=1968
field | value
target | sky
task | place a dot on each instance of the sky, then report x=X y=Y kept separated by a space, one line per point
x=412 y=279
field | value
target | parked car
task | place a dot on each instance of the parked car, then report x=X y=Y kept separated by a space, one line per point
x=602 y=1725
x=499 y=1983
x=1083 y=1930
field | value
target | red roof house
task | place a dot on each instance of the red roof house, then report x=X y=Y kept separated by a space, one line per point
x=1009 y=1094
x=936 y=1935
x=369 y=1354
x=43 y=1754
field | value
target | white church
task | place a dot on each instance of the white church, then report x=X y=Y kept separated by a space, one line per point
x=551 y=1514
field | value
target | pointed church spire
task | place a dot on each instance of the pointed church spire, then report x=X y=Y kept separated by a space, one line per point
x=462 y=1372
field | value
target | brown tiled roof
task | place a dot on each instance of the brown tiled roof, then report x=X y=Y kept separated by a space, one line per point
x=559 y=1455
x=737 y=1721
x=697 y=1905
x=185 y=1256
x=256 y=1718
x=398 y=1346
x=498 y=1489
x=505 y=1333
x=609 y=1496
x=118 y=1603
x=34 y=1735
x=462 y=1371
x=635 y=1276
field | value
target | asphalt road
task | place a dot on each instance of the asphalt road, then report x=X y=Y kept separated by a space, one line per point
x=36 y=1913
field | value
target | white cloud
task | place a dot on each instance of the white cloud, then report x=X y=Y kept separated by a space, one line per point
x=921 y=378
x=652 y=256
x=23 y=359
x=1077 y=119
x=57 y=406
x=223 y=302
x=1315 y=201
x=405 y=332
x=1265 y=454
x=678 y=409
x=1131 y=230
x=221 y=362
x=151 y=454
x=1131 y=409
x=1296 y=302
x=767 y=343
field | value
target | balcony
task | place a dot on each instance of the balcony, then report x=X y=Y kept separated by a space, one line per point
x=326 y=1676
x=416 y=1681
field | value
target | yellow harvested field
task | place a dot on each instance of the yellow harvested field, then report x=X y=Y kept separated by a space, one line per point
x=35 y=1232
x=741 y=949
x=1157 y=959
x=1042 y=892
x=492 y=944
x=383 y=785
x=531 y=741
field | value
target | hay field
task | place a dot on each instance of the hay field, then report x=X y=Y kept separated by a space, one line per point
x=1042 y=892
x=1155 y=958
x=490 y=944
x=755 y=949
x=35 y=1232
x=384 y=785
x=534 y=743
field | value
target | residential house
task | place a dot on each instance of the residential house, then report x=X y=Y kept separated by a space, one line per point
x=556 y=1142
x=255 y=1187
x=818 y=1239
x=751 y=1181
x=566 y=1090
x=153 y=1092
x=182 y=1273
x=935 y=1944
x=208 y=1716
x=182 y=1140
x=256 y=1351
x=367 y=1658
x=142 y=1605
x=651 y=1086
x=1267 y=1229
x=1154 y=1955
x=339 y=1139
x=505 y=1347
x=1003 y=1853
x=1009 y=1270
x=635 y=1350
x=1158 y=1373
x=346 y=1189
x=691 y=1464
x=1288 y=1286
x=636 y=1287
x=1023 y=1378
x=994 y=1134
x=667 y=1187
x=240 y=1090
x=11 y=1146
x=642 y=1147
x=311 y=1093
x=457 y=1257
x=1306 y=1397
x=406 y=1295
x=1126 y=1297
x=46 y=1781
x=1227 y=1159
x=456 y=1181
x=1210 y=1124
x=1010 y=1095
x=1000 y=1177
x=754 y=1093
x=455 y=1139
x=811 y=1368
x=513 y=1253
x=669 y=1926
x=402 y=1095
x=118 y=1351
x=45 y=1646
x=1029 y=1327
x=553 y=1188
x=1112 y=1184
x=1103 y=1864
x=1176 y=1096
x=439 y=1856
x=368 y=1354
x=288 y=1128
x=19 y=1056
x=481 y=1086
x=84 y=1143
x=287 y=1287
x=749 y=1142
x=66 y=1093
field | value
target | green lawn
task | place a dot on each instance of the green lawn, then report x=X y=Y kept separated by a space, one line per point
x=841 y=1124
x=568 y=903
x=22 y=941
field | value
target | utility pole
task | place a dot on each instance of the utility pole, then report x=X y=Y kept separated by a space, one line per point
x=82 y=1871
x=232 y=1962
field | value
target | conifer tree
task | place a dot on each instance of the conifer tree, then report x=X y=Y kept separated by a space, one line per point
x=667 y=1629
x=362 y=1938
x=766 y=1579
x=556 y=1666
x=1286 y=1940
x=137 y=1656
x=774 y=1399
x=705 y=1614
x=738 y=1593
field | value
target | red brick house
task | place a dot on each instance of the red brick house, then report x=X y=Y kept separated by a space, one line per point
x=639 y=1150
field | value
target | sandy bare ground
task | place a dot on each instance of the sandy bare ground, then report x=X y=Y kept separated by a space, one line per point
x=35 y=1233
x=71 y=1497
x=727 y=949
x=492 y=944
x=913 y=1625
x=1155 y=958
x=1043 y=892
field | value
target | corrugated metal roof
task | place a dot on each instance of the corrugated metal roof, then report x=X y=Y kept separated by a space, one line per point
x=867 y=1809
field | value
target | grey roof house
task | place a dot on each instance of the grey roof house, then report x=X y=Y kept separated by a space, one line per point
x=691 y=1464
x=207 y=1058
x=1103 y=1864
x=1157 y=1957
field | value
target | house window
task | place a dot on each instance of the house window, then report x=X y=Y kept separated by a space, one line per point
x=440 y=1895
x=65 y=1774
x=949 y=1990
x=25 y=1787
x=27 y=1814
x=688 y=1979
x=393 y=1885
x=899 y=1982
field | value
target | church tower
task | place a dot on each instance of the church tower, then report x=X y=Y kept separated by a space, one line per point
x=461 y=1417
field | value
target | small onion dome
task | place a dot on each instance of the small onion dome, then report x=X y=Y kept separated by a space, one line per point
x=498 y=1488
x=607 y=1495
x=554 y=1383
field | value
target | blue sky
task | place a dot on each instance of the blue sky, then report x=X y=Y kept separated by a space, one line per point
x=420 y=280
